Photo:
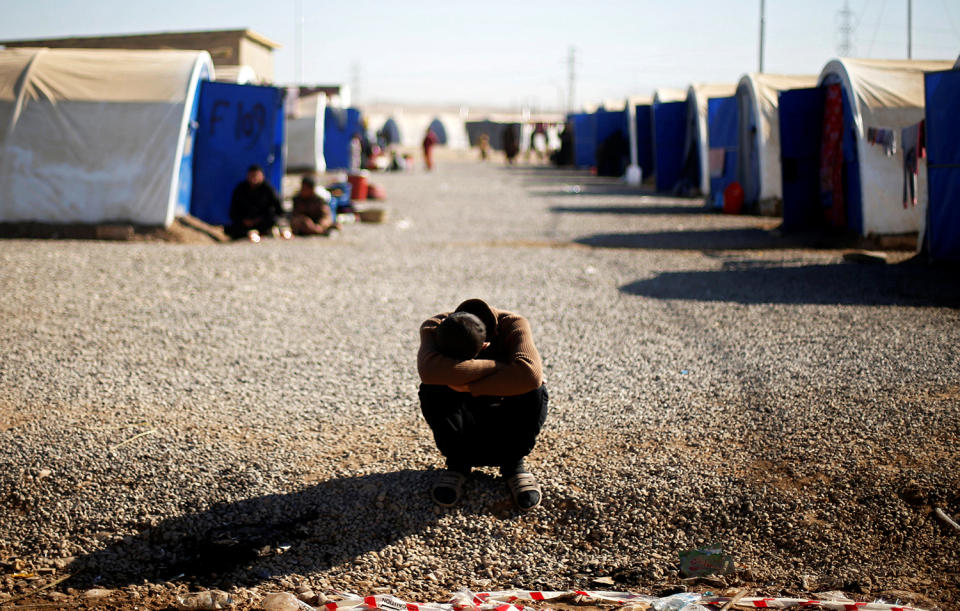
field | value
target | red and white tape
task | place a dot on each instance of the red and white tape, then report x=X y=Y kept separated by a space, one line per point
x=505 y=600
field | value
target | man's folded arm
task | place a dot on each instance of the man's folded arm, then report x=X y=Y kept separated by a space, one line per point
x=436 y=368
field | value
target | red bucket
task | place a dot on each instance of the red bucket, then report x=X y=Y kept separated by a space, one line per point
x=358 y=186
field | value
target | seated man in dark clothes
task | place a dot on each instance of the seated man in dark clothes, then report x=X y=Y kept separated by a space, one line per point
x=483 y=397
x=311 y=212
x=254 y=207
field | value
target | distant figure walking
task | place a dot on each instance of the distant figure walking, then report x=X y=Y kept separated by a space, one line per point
x=484 y=147
x=511 y=143
x=482 y=394
x=429 y=141
x=254 y=207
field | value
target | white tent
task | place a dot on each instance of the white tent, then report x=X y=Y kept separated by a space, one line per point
x=696 y=139
x=758 y=133
x=668 y=94
x=93 y=136
x=884 y=94
x=305 y=135
x=241 y=75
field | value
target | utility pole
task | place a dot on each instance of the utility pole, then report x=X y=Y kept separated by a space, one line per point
x=762 y=24
x=910 y=29
x=845 y=29
x=355 y=78
x=298 y=42
x=571 y=78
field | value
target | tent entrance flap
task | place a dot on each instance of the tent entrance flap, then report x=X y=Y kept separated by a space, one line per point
x=943 y=164
x=239 y=125
x=722 y=136
x=644 y=119
x=584 y=139
x=801 y=127
x=748 y=160
x=669 y=130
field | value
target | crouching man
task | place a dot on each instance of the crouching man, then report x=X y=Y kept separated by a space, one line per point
x=482 y=394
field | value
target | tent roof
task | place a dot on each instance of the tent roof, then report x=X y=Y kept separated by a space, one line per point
x=766 y=87
x=705 y=91
x=669 y=94
x=639 y=100
x=884 y=83
x=78 y=75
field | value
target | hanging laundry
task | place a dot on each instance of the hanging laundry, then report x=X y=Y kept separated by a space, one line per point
x=885 y=137
x=831 y=158
x=913 y=151
x=717 y=156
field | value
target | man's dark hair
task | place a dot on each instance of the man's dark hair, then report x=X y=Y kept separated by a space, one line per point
x=461 y=335
x=308 y=181
x=254 y=168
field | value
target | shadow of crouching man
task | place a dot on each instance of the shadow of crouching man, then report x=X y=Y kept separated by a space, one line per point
x=249 y=541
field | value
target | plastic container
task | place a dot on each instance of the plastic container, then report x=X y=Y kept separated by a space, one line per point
x=358 y=185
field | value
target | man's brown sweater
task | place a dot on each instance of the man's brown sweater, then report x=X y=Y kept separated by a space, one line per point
x=509 y=366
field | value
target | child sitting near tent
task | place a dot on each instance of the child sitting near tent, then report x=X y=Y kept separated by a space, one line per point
x=311 y=210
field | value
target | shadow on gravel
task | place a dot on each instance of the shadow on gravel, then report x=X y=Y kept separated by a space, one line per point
x=248 y=541
x=713 y=239
x=314 y=529
x=638 y=209
x=755 y=282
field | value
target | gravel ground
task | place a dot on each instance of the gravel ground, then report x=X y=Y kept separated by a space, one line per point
x=244 y=416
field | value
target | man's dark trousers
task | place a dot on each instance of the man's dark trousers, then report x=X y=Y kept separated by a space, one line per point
x=483 y=431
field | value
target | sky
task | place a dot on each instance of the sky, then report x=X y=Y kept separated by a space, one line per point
x=516 y=53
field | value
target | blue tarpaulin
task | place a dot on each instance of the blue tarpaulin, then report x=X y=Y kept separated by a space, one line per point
x=801 y=128
x=943 y=164
x=645 y=139
x=609 y=122
x=584 y=139
x=436 y=126
x=612 y=142
x=339 y=127
x=239 y=126
x=669 y=133
x=722 y=128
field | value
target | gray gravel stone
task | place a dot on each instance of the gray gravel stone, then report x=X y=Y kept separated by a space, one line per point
x=710 y=382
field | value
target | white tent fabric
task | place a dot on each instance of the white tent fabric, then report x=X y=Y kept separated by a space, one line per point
x=305 y=136
x=240 y=75
x=760 y=93
x=93 y=136
x=884 y=94
x=413 y=123
x=698 y=95
x=669 y=94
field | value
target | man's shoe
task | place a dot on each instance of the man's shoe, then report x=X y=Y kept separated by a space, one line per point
x=447 y=488
x=525 y=490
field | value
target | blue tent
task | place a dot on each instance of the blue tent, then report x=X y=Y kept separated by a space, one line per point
x=436 y=126
x=644 y=119
x=801 y=126
x=239 y=126
x=669 y=133
x=610 y=135
x=942 y=94
x=340 y=125
x=391 y=132
x=584 y=139
x=722 y=131
x=801 y=131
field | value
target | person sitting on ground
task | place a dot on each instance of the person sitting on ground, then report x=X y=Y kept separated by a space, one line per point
x=482 y=394
x=311 y=211
x=254 y=207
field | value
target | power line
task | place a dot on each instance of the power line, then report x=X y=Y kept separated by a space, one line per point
x=876 y=28
x=844 y=30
